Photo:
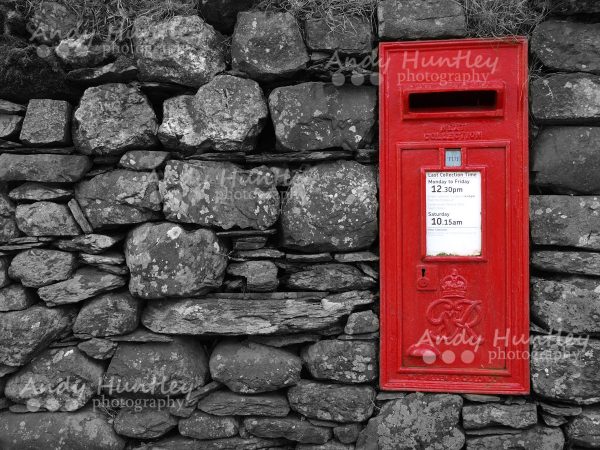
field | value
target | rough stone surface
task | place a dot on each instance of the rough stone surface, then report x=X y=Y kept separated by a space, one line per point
x=251 y=368
x=27 y=332
x=420 y=19
x=355 y=36
x=51 y=22
x=47 y=123
x=98 y=348
x=584 y=430
x=110 y=314
x=205 y=426
x=268 y=45
x=567 y=46
x=334 y=117
x=362 y=322
x=291 y=428
x=157 y=369
x=343 y=361
x=347 y=434
x=43 y=167
x=331 y=207
x=566 y=98
x=416 y=421
x=10 y=126
x=330 y=277
x=182 y=49
x=122 y=70
x=569 y=262
x=571 y=304
x=565 y=159
x=149 y=423
x=496 y=414
x=59 y=379
x=143 y=160
x=534 y=438
x=76 y=52
x=119 y=197
x=573 y=376
x=8 y=223
x=15 y=298
x=46 y=219
x=226 y=403
x=332 y=402
x=41 y=267
x=10 y=108
x=89 y=243
x=86 y=428
x=220 y=194
x=259 y=276
x=225 y=115
x=232 y=443
x=566 y=221
x=4 y=279
x=250 y=317
x=167 y=261
x=85 y=283
x=112 y=119
x=36 y=192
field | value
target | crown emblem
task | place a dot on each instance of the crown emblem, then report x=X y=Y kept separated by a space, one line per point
x=453 y=285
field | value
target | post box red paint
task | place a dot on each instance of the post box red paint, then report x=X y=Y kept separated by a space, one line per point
x=454 y=216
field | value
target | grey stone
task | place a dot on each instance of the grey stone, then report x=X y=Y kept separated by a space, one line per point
x=285 y=340
x=268 y=45
x=59 y=379
x=261 y=253
x=15 y=298
x=41 y=267
x=566 y=369
x=165 y=260
x=119 y=197
x=85 y=283
x=27 y=332
x=10 y=126
x=259 y=276
x=51 y=22
x=567 y=46
x=232 y=443
x=251 y=368
x=220 y=194
x=86 y=428
x=110 y=258
x=576 y=263
x=347 y=434
x=11 y=108
x=329 y=277
x=110 y=314
x=333 y=402
x=141 y=160
x=496 y=414
x=362 y=322
x=421 y=19
x=291 y=428
x=36 y=192
x=75 y=52
x=226 y=403
x=571 y=305
x=226 y=114
x=182 y=49
x=205 y=426
x=331 y=207
x=8 y=224
x=250 y=317
x=334 y=117
x=89 y=243
x=330 y=445
x=148 y=423
x=4 y=279
x=122 y=70
x=566 y=221
x=43 y=168
x=157 y=369
x=566 y=98
x=98 y=348
x=537 y=438
x=343 y=361
x=560 y=409
x=222 y=14
x=584 y=430
x=47 y=123
x=112 y=119
x=354 y=36
x=356 y=257
x=416 y=421
x=46 y=219
x=565 y=159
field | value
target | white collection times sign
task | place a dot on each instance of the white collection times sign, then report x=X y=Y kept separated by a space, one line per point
x=453 y=213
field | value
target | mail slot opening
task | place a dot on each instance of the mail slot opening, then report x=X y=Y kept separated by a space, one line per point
x=479 y=100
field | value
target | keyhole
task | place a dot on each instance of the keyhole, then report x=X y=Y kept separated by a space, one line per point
x=423 y=272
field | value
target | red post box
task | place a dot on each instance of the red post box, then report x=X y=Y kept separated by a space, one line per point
x=454 y=216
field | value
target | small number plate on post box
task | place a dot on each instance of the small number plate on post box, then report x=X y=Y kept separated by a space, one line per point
x=454 y=216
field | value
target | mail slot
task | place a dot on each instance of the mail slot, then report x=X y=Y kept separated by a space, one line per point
x=454 y=216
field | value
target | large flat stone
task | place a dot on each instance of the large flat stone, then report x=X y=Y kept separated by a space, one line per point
x=226 y=403
x=44 y=167
x=46 y=219
x=221 y=316
x=41 y=267
x=291 y=428
x=147 y=423
x=206 y=426
x=166 y=260
x=220 y=194
x=330 y=277
x=566 y=98
x=569 y=262
x=37 y=192
x=539 y=437
x=496 y=414
x=90 y=243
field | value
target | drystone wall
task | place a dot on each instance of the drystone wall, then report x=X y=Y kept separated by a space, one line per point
x=188 y=236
